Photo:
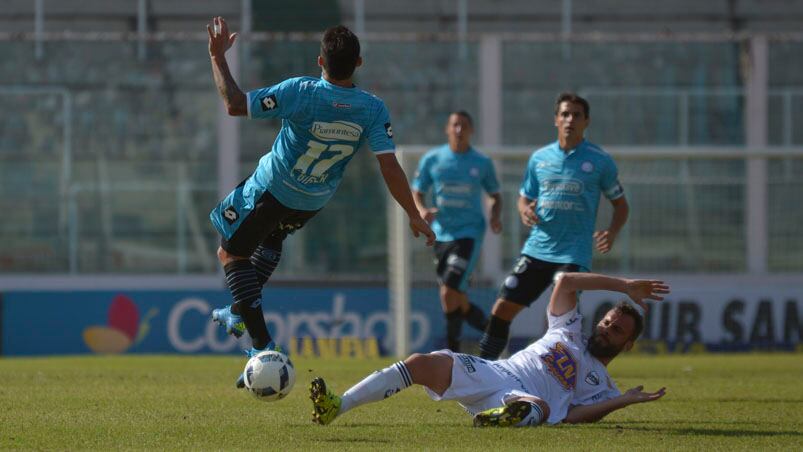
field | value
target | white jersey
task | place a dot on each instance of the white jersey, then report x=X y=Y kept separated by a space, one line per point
x=558 y=368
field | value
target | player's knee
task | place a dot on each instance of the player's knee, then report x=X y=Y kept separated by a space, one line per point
x=451 y=297
x=505 y=310
x=225 y=257
x=432 y=370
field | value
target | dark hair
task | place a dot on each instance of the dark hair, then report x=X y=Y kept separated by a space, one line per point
x=464 y=114
x=638 y=321
x=340 y=50
x=573 y=98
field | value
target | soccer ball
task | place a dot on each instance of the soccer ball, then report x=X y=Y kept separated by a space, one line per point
x=269 y=376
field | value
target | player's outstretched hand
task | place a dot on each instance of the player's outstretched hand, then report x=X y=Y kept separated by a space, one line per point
x=637 y=395
x=646 y=289
x=419 y=226
x=604 y=240
x=220 y=40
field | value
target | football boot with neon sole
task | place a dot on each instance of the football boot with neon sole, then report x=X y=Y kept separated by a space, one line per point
x=325 y=404
x=505 y=416
x=232 y=322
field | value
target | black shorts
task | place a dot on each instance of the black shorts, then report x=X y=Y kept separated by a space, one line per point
x=454 y=262
x=530 y=278
x=268 y=223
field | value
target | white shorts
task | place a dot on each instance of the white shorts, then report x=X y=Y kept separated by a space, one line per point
x=478 y=384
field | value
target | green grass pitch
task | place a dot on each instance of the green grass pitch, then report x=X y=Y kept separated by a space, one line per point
x=714 y=402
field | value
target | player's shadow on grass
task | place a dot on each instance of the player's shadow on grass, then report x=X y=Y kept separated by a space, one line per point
x=355 y=440
x=692 y=422
x=692 y=431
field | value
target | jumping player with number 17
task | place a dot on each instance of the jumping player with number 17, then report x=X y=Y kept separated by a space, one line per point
x=324 y=122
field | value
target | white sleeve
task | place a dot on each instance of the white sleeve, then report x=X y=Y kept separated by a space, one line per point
x=570 y=322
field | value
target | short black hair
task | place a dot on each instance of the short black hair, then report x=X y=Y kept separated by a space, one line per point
x=464 y=114
x=573 y=98
x=340 y=50
x=626 y=308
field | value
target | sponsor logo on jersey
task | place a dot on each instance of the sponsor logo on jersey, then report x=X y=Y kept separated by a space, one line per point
x=268 y=102
x=336 y=130
x=474 y=172
x=561 y=365
x=468 y=362
x=230 y=215
x=592 y=378
x=562 y=186
x=389 y=130
x=547 y=165
x=587 y=167
x=339 y=105
x=561 y=205
x=451 y=188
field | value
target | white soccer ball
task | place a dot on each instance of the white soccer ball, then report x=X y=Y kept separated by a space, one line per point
x=269 y=376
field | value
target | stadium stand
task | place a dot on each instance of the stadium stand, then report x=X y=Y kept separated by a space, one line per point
x=147 y=121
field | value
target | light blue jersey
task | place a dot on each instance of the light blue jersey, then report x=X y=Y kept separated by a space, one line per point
x=457 y=181
x=567 y=187
x=323 y=125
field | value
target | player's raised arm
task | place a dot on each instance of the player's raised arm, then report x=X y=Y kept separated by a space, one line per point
x=220 y=40
x=396 y=181
x=593 y=413
x=564 y=296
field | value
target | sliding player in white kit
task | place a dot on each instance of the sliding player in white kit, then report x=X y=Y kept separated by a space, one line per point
x=560 y=377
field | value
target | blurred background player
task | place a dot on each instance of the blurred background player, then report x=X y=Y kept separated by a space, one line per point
x=561 y=377
x=325 y=121
x=558 y=200
x=457 y=174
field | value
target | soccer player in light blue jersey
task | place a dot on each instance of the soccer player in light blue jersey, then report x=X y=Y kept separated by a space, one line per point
x=457 y=175
x=324 y=122
x=558 y=200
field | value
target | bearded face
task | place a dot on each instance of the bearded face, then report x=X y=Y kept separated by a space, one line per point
x=599 y=347
x=611 y=336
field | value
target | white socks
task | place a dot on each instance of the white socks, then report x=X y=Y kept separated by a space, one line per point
x=377 y=386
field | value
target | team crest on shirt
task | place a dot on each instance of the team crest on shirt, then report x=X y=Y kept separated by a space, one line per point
x=561 y=365
x=587 y=167
x=268 y=102
x=474 y=172
x=592 y=378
